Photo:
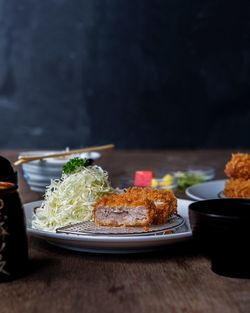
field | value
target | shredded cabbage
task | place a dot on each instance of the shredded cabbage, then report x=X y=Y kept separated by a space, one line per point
x=71 y=199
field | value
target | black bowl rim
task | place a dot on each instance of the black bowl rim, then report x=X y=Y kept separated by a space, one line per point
x=196 y=207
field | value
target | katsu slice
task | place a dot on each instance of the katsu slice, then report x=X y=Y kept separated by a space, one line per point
x=119 y=210
x=164 y=201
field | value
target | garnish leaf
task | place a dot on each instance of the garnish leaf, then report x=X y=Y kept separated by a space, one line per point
x=75 y=164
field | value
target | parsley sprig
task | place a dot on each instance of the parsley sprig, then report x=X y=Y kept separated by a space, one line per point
x=75 y=164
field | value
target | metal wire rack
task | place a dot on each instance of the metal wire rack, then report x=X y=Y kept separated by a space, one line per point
x=89 y=228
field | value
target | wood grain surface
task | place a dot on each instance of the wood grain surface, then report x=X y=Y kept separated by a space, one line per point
x=176 y=279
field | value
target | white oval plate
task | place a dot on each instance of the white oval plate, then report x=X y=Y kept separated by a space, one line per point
x=207 y=190
x=111 y=244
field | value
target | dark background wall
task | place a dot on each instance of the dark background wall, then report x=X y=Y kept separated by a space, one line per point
x=159 y=73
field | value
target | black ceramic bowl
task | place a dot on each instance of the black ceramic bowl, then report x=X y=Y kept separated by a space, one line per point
x=221 y=226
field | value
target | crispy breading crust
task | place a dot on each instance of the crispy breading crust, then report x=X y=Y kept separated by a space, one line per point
x=237 y=188
x=162 y=204
x=124 y=200
x=238 y=166
x=164 y=200
x=238 y=170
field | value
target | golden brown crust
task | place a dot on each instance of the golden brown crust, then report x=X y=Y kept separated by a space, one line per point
x=238 y=166
x=120 y=200
x=237 y=188
x=238 y=170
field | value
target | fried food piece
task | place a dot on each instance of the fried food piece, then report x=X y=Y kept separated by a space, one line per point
x=237 y=188
x=122 y=210
x=137 y=206
x=164 y=200
x=238 y=166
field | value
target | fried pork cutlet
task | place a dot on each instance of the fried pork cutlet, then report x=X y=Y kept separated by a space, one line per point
x=120 y=210
x=237 y=188
x=238 y=170
x=238 y=166
x=164 y=201
x=136 y=207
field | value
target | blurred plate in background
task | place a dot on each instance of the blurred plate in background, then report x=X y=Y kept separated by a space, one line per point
x=207 y=190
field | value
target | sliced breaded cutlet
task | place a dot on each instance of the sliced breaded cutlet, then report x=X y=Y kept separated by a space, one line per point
x=136 y=207
x=121 y=210
x=164 y=201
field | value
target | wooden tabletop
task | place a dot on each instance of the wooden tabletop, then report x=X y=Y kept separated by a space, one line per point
x=177 y=279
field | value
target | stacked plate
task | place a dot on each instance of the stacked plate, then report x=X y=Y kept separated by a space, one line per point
x=38 y=174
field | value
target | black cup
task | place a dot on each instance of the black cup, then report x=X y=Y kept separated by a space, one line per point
x=11 y=178
x=221 y=227
x=13 y=238
x=7 y=173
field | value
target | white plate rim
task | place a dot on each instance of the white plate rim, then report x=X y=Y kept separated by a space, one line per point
x=52 y=237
